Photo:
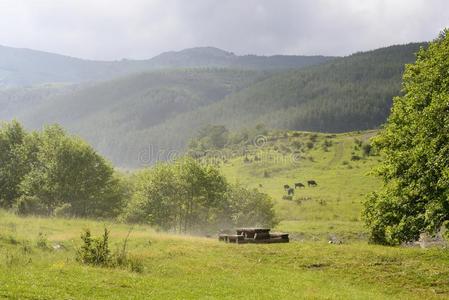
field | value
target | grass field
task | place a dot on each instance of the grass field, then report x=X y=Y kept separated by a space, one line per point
x=185 y=267
x=178 y=267
x=333 y=208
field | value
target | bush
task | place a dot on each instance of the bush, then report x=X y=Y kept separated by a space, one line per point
x=95 y=251
x=366 y=149
x=42 y=242
x=250 y=207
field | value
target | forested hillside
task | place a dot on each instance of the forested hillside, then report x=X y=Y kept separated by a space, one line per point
x=19 y=67
x=14 y=101
x=352 y=93
x=137 y=119
x=127 y=116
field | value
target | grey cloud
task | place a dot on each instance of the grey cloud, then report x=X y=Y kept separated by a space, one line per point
x=113 y=29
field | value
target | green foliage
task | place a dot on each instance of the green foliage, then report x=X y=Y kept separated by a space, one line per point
x=14 y=162
x=42 y=241
x=187 y=196
x=41 y=171
x=70 y=171
x=367 y=149
x=94 y=251
x=251 y=208
x=415 y=143
x=210 y=137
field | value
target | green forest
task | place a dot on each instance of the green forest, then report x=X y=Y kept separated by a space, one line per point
x=131 y=118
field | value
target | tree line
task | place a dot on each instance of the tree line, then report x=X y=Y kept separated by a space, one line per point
x=49 y=172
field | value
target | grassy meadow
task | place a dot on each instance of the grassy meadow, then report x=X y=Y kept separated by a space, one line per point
x=180 y=267
x=37 y=255
x=331 y=209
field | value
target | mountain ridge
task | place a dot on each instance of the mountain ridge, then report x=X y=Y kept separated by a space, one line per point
x=25 y=67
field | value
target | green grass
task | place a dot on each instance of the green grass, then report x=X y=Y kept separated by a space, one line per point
x=334 y=206
x=186 y=267
x=181 y=267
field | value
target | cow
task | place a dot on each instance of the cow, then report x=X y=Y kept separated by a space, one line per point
x=286 y=186
x=299 y=185
x=291 y=191
x=312 y=183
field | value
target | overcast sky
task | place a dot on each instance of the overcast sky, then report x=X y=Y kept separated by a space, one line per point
x=113 y=29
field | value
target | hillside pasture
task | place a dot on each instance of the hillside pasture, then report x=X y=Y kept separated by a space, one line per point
x=340 y=168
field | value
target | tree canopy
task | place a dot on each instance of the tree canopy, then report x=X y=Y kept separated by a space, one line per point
x=42 y=171
x=188 y=196
x=415 y=144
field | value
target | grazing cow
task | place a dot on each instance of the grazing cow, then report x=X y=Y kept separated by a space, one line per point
x=291 y=191
x=260 y=185
x=312 y=183
x=286 y=186
x=299 y=185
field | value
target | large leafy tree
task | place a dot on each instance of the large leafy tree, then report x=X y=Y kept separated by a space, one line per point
x=67 y=171
x=182 y=196
x=188 y=196
x=415 y=143
x=14 y=162
x=251 y=207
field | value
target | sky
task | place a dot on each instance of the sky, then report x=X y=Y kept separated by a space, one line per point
x=140 y=29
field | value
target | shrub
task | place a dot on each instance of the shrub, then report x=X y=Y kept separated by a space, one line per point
x=358 y=143
x=42 y=242
x=366 y=149
x=94 y=251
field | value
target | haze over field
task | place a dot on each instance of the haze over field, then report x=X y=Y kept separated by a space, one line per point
x=256 y=149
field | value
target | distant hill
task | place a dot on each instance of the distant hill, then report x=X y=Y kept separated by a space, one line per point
x=346 y=94
x=156 y=113
x=21 y=67
x=214 y=57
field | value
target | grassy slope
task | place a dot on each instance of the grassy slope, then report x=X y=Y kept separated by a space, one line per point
x=331 y=208
x=179 y=267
